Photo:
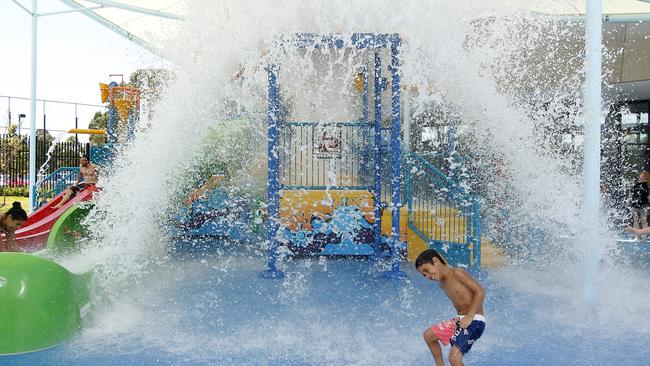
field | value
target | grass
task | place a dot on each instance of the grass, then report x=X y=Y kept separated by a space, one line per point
x=24 y=201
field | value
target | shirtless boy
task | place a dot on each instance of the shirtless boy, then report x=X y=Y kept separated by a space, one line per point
x=88 y=172
x=467 y=296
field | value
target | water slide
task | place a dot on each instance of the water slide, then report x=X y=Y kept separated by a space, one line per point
x=42 y=304
x=33 y=234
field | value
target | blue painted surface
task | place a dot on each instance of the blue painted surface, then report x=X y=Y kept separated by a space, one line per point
x=396 y=159
x=274 y=122
x=217 y=216
x=217 y=311
x=111 y=118
x=377 y=147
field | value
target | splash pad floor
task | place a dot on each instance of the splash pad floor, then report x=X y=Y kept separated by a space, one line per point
x=216 y=310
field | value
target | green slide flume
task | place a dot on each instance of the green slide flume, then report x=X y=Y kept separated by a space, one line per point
x=42 y=304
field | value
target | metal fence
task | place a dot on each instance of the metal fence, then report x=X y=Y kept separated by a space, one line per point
x=14 y=158
x=334 y=155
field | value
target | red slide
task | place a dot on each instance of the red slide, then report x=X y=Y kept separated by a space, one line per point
x=32 y=235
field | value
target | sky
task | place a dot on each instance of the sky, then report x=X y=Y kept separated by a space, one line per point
x=75 y=54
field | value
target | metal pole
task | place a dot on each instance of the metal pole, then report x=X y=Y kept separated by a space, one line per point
x=396 y=161
x=406 y=143
x=377 y=151
x=44 y=143
x=274 y=181
x=111 y=114
x=131 y=127
x=32 y=109
x=76 y=124
x=591 y=172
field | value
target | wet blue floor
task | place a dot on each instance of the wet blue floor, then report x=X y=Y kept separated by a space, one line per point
x=217 y=311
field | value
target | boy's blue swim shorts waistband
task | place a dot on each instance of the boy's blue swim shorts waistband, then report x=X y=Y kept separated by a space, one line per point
x=478 y=317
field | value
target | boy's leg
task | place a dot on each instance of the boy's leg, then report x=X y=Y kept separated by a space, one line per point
x=455 y=357
x=432 y=342
x=67 y=195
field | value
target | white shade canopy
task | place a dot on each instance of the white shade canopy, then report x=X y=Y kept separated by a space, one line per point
x=578 y=7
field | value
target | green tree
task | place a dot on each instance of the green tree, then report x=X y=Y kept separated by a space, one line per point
x=100 y=122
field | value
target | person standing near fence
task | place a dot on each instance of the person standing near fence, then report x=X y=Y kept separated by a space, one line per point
x=640 y=201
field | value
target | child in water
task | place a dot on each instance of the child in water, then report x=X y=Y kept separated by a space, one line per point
x=467 y=296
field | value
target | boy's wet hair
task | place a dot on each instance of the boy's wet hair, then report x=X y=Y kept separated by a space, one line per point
x=427 y=257
x=16 y=212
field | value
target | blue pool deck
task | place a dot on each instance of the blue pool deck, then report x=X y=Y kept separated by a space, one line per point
x=216 y=310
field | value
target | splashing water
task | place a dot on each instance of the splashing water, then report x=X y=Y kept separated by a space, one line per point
x=495 y=65
x=46 y=165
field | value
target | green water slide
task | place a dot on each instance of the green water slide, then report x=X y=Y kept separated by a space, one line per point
x=42 y=304
x=68 y=229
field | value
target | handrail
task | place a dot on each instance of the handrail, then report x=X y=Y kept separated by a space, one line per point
x=442 y=213
x=435 y=171
x=73 y=169
x=55 y=183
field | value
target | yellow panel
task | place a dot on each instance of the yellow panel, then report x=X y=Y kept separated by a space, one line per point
x=491 y=256
x=298 y=207
x=103 y=88
x=87 y=131
x=124 y=108
x=387 y=223
x=358 y=82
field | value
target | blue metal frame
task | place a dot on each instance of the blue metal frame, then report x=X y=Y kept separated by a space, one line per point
x=358 y=41
x=377 y=150
x=131 y=132
x=111 y=116
x=274 y=115
x=396 y=159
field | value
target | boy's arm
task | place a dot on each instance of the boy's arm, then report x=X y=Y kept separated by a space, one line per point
x=477 y=291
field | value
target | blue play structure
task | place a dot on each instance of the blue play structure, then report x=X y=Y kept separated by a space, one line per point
x=216 y=217
x=337 y=187
x=354 y=147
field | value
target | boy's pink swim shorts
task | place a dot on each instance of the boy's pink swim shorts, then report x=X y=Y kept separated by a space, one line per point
x=445 y=330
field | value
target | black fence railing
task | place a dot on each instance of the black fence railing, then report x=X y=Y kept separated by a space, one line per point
x=14 y=158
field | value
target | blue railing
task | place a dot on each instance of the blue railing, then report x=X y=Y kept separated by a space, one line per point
x=55 y=183
x=441 y=213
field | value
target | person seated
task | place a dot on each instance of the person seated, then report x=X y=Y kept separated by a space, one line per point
x=88 y=172
x=9 y=222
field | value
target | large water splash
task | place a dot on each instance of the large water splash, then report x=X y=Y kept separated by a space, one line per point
x=494 y=64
